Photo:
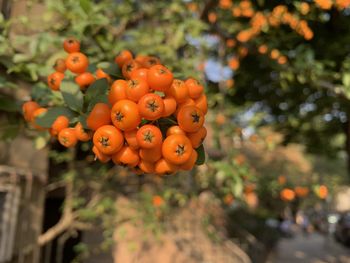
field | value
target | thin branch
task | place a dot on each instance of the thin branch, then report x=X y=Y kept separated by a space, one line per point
x=67 y=218
x=53 y=186
x=64 y=224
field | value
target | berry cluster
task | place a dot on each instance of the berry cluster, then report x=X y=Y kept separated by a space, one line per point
x=149 y=121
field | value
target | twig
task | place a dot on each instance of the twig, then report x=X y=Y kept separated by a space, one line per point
x=67 y=218
x=55 y=185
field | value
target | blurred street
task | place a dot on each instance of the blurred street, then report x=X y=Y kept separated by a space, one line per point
x=313 y=248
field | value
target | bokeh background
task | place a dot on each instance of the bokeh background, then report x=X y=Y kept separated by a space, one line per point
x=274 y=187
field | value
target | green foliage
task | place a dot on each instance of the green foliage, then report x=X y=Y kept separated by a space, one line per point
x=72 y=96
x=48 y=118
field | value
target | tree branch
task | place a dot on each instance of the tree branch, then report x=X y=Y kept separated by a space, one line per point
x=64 y=223
x=55 y=185
x=67 y=218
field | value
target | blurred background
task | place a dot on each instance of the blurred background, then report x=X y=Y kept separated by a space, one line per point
x=275 y=184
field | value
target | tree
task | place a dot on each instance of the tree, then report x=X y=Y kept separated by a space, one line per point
x=296 y=70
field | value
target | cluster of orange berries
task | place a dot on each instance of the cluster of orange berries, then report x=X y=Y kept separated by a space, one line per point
x=153 y=122
x=327 y=4
x=288 y=194
x=274 y=54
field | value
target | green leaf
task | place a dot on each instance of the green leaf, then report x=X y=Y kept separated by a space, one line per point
x=98 y=99
x=111 y=69
x=72 y=96
x=9 y=131
x=8 y=104
x=99 y=87
x=346 y=79
x=46 y=119
x=201 y=155
x=40 y=142
x=114 y=71
x=82 y=120
x=85 y=5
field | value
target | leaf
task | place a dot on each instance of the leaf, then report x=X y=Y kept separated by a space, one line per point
x=9 y=132
x=99 y=87
x=82 y=120
x=40 y=142
x=98 y=99
x=8 y=104
x=72 y=96
x=201 y=155
x=111 y=69
x=85 y=5
x=346 y=79
x=46 y=119
x=92 y=67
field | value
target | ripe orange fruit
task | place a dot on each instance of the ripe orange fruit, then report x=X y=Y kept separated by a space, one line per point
x=81 y=134
x=149 y=136
x=202 y=103
x=100 y=156
x=175 y=130
x=234 y=63
x=263 y=49
x=301 y=191
x=129 y=66
x=67 y=137
x=99 y=116
x=151 y=106
x=135 y=89
x=77 y=62
x=130 y=137
x=84 y=80
x=146 y=167
x=187 y=166
x=274 y=54
x=178 y=90
x=195 y=89
x=230 y=43
x=282 y=60
x=169 y=106
x=71 y=45
x=125 y=115
x=118 y=91
x=150 y=61
x=157 y=201
x=198 y=137
x=100 y=74
x=60 y=65
x=177 y=149
x=123 y=57
x=140 y=73
x=225 y=4
x=54 y=80
x=188 y=102
x=59 y=124
x=228 y=199
x=190 y=118
x=287 y=194
x=151 y=155
x=126 y=156
x=37 y=113
x=28 y=108
x=108 y=139
x=323 y=192
x=212 y=17
x=159 y=78
x=162 y=167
